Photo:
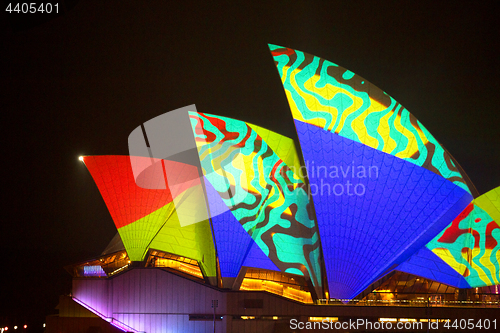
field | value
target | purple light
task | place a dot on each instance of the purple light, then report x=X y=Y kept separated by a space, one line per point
x=121 y=326
x=112 y=321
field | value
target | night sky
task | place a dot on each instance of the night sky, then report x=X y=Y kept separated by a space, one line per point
x=78 y=83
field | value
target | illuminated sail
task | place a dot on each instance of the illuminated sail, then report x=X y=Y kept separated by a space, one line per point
x=384 y=187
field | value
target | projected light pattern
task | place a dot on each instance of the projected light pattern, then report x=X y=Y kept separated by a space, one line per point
x=262 y=192
x=281 y=146
x=400 y=208
x=471 y=244
x=368 y=225
x=328 y=96
x=428 y=265
x=235 y=246
x=465 y=254
x=148 y=218
x=381 y=194
x=490 y=202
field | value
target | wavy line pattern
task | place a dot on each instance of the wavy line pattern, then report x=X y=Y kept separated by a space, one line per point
x=335 y=99
x=470 y=245
x=269 y=201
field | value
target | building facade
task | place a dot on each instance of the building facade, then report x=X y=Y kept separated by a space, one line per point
x=223 y=225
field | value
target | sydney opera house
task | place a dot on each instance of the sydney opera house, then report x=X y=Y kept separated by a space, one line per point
x=225 y=226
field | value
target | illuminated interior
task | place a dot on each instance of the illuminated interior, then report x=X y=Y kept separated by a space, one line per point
x=286 y=285
x=324 y=319
x=390 y=320
x=103 y=267
x=403 y=286
x=175 y=262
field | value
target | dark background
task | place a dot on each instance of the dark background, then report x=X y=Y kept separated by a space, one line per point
x=79 y=82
